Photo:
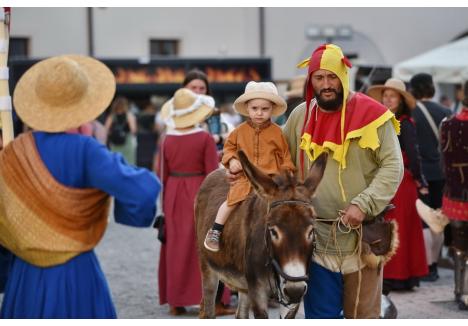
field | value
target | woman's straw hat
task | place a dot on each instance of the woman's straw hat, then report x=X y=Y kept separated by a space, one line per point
x=186 y=109
x=63 y=92
x=397 y=85
x=263 y=90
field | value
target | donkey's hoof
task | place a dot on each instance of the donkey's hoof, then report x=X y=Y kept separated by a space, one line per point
x=204 y=315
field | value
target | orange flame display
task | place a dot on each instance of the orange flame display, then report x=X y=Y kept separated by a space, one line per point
x=171 y=75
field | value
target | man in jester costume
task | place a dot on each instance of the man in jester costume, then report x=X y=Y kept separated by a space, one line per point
x=364 y=169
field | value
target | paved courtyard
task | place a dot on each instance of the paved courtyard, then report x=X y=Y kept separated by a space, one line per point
x=129 y=258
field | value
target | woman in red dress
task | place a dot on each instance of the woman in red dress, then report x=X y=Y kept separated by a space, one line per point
x=188 y=154
x=408 y=264
x=197 y=81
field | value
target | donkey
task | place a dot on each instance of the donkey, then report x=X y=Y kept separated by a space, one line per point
x=267 y=241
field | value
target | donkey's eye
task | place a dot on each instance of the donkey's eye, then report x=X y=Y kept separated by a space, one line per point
x=274 y=234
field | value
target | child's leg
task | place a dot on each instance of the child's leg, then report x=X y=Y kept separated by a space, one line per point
x=223 y=213
x=214 y=234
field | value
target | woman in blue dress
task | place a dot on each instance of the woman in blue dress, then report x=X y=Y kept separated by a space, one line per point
x=55 y=191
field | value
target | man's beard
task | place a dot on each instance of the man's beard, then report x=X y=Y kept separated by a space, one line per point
x=329 y=105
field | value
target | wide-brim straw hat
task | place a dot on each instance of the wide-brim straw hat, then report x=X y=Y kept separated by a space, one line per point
x=395 y=84
x=263 y=90
x=296 y=87
x=186 y=109
x=63 y=92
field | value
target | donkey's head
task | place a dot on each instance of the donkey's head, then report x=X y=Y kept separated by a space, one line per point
x=289 y=231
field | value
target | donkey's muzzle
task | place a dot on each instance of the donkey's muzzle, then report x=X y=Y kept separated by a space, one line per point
x=295 y=291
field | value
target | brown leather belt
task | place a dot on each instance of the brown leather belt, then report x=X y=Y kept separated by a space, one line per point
x=330 y=222
x=185 y=174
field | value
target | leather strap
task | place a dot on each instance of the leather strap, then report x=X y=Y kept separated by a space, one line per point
x=429 y=119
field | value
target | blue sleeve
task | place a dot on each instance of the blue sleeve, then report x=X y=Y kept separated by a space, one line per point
x=135 y=189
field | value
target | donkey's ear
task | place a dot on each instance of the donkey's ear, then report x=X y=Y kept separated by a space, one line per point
x=261 y=182
x=316 y=173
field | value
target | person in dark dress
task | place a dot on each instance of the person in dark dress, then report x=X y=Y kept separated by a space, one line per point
x=454 y=144
x=408 y=264
x=147 y=137
x=423 y=89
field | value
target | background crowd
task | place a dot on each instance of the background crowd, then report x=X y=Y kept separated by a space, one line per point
x=434 y=158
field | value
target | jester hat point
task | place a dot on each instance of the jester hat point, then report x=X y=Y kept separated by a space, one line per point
x=329 y=57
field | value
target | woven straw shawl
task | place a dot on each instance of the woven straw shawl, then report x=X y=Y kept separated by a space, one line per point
x=41 y=220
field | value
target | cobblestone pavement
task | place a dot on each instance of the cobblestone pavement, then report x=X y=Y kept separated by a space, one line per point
x=431 y=300
x=129 y=258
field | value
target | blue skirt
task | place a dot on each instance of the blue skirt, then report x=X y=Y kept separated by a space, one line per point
x=5 y=257
x=76 y=289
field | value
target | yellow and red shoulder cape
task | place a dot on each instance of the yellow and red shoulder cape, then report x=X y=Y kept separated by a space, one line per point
x=362 y=117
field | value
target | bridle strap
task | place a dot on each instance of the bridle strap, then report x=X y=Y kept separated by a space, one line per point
x=278 y=270
x=273 y=262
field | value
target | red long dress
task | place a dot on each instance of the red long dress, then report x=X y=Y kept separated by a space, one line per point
x=179 y=271
x=409 y=262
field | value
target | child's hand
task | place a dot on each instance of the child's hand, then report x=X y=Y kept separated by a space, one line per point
x=235 y=166
x=231 y=177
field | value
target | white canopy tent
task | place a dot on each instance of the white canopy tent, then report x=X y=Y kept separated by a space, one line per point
x=447 y=64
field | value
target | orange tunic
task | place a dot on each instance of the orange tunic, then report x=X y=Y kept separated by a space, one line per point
x=265 y=146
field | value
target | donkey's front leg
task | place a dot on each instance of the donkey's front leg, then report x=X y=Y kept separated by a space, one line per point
x=243 y=306
x=259 y=301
